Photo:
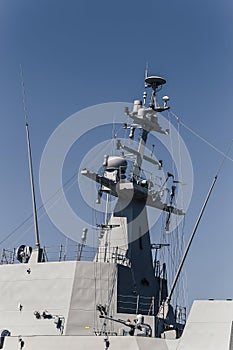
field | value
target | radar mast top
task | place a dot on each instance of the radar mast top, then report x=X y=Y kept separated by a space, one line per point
x=155 y=82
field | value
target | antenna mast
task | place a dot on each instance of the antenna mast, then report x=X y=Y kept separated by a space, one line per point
x=37 y=240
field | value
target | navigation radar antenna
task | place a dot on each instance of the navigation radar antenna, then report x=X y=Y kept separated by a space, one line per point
x=156 y=84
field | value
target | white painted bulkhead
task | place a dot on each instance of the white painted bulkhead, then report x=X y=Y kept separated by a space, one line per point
x=69 y=290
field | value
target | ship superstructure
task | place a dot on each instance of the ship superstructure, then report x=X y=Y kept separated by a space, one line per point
x=120 y=299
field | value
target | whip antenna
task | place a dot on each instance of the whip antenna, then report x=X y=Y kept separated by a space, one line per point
x=164 y=307
x=37 y=239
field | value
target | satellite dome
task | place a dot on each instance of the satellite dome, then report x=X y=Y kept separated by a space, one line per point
x=115 y=163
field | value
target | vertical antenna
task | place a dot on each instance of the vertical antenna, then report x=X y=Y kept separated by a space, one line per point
x=37 y=242
x=190 y=241
x=196 y=225
x=146 y=71
x=145 y=85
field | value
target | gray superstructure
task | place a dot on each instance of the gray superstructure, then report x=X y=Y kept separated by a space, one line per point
x=119 y=300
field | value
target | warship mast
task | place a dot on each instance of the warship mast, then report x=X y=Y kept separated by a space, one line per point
x=128 y=229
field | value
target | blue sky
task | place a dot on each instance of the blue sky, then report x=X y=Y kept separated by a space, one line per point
x=80 y=53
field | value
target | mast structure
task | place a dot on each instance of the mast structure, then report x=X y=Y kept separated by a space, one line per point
x=127 y=230
x=37 y=239
x=35 y=217
x=155 y=83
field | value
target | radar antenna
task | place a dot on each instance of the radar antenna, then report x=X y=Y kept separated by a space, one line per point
x=155 y=83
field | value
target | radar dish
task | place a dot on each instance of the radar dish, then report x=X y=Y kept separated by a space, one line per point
x=155 y=81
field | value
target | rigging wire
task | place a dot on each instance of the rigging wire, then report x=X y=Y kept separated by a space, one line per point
x=171 y=143
x=39 y=209
x=176 y=279
x=52 y=204
x=180 y=167
x=200 y=137
x=179 y=121
x=66 y=186
x=172 y=254
x=181 y=296
x=224 y=158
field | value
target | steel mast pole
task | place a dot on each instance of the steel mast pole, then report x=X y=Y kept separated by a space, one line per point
x=37 y=239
